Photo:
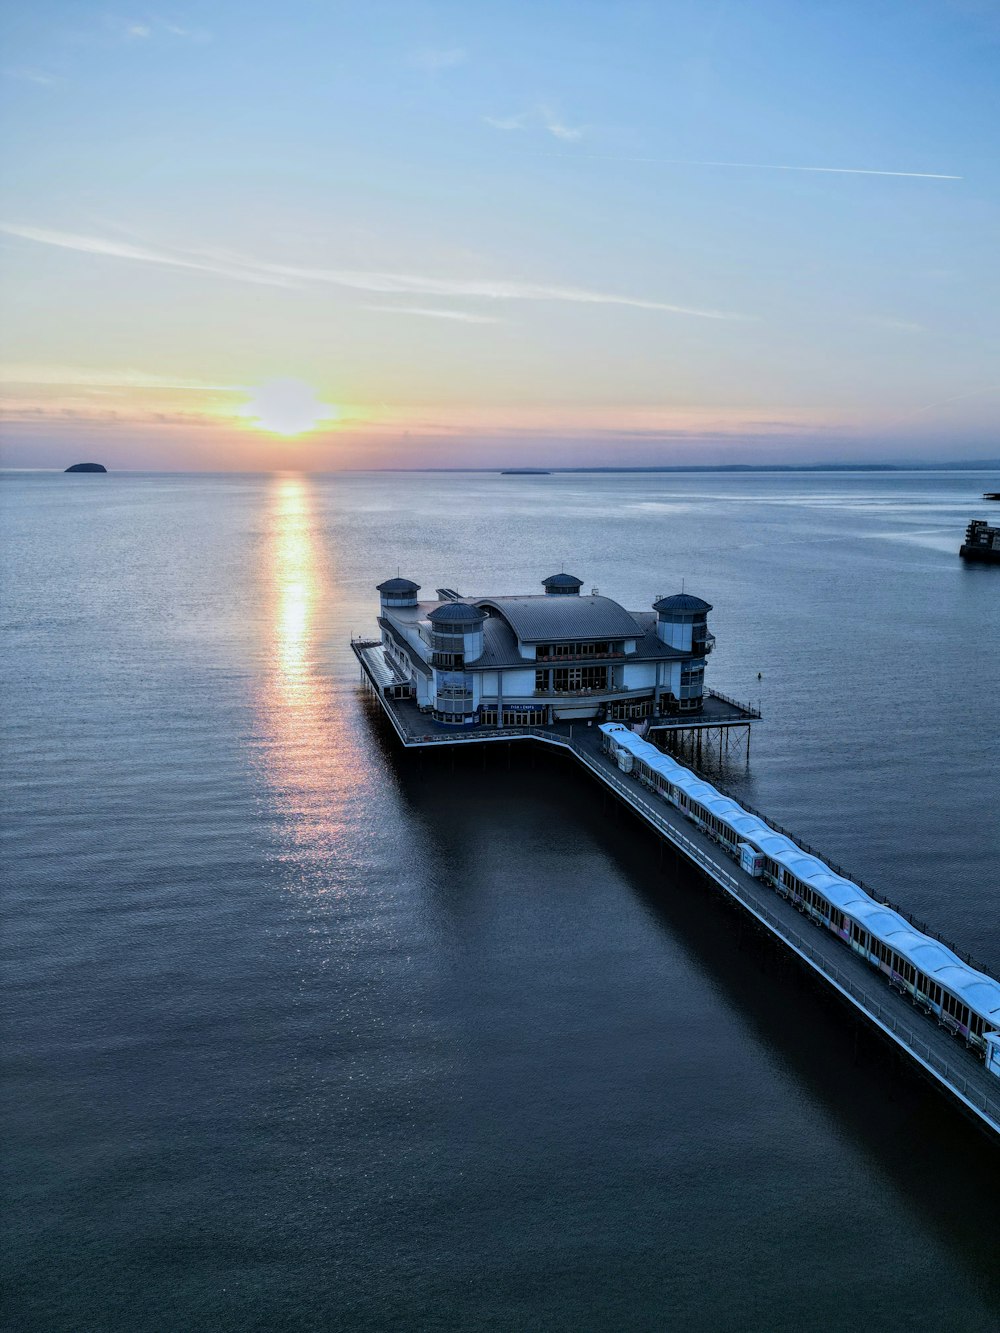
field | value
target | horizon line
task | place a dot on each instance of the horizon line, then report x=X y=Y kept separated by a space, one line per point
x=963 y=465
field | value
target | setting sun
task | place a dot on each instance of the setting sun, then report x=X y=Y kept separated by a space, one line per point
x=287 y=407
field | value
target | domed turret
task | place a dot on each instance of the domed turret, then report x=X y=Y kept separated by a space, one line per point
x=682 y=621
x=456 y=640
x=398 y=592
x=562 y=585
x=456 y=613
x=456 y=634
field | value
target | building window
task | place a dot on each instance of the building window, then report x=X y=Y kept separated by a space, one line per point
x=514 y=717
x=623 y=711
x=546 y=652
x=572 y=680
x=524 y=717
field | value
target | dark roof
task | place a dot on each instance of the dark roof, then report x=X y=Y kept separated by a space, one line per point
x=416 y=661
x=562 y=581
x=456 y=613
x=499 y=648
x=398 y=585
x=543 y=618
x=500 y=645
x=652 y=648
x=681 y=601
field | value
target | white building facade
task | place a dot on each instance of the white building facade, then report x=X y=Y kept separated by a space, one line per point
x=538 y=659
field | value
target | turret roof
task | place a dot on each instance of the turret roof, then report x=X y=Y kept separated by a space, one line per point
x=681 y=601
x=397 y=585
x=456 y=613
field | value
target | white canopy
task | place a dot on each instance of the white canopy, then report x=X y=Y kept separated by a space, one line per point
x=980 y=992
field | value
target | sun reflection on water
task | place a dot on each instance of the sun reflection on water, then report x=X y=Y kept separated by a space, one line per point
x=312 y=765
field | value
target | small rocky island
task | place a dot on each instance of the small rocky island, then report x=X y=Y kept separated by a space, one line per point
x=87 y=467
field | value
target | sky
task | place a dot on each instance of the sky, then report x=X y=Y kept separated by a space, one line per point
x=243 y=236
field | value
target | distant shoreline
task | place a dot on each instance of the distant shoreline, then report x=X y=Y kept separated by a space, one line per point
x=986 y=465
x=983 y=465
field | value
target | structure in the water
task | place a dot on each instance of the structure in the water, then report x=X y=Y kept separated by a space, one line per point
x=555 y=656
x=486 y=668
x=981 y=543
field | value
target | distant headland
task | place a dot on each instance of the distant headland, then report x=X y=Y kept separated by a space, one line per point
x=526 y=472
x=87 y=467
x=964 y=465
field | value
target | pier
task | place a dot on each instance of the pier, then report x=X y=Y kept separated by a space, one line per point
x=721 y=721
x=928 y=1046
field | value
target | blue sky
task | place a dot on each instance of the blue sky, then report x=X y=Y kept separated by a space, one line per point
x=491 y=232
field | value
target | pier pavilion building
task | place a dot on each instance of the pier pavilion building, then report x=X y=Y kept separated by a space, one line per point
x=531 y=660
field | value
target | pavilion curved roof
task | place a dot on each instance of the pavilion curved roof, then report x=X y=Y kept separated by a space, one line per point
x=543 y=619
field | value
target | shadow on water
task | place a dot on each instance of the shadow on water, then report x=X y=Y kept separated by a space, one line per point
x=942 y=1163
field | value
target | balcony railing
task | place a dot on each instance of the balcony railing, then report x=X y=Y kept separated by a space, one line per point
x=575 y=657
x=591 y=690
x=733 y=703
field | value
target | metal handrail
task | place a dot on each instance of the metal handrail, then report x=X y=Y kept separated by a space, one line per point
x=734 y=703
x=990 y=1106
x=550 y=658
x=541 y=733
x=872 y=893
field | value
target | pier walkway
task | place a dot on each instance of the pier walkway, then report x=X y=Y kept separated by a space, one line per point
x=932 y=1048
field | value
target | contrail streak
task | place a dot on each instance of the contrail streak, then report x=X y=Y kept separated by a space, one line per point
x=955 y=398
x=759 y=166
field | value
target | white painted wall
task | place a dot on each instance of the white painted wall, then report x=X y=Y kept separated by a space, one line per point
x=639 y=675
x=518 y=684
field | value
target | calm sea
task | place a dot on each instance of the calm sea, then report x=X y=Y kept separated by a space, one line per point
x=302 y=1033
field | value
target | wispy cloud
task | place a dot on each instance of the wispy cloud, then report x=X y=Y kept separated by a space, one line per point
x=437 y=58
x=87 y=378
x=517 y=122
x=96 y=245
x=541 y=116
x=29 y=413
x=758 y=166
x=152 y=27
x=246 y=269
x=896 y=325
x=557 y=127
x=191 y=34
x=464 y=316
x=37 y=76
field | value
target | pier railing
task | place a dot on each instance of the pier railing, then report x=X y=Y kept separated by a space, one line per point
x=875 y=894
x=733 y=703
x=516 y=732
x=847 y=985
x=970 y=1090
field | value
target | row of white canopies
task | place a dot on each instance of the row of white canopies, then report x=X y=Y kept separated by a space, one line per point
x=934 y=959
